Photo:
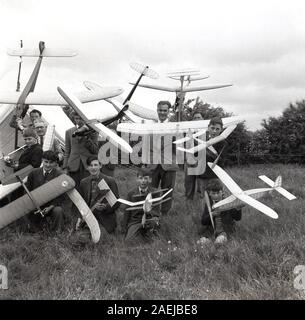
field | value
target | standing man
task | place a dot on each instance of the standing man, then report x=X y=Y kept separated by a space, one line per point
x=163 y=173
x=78 y=148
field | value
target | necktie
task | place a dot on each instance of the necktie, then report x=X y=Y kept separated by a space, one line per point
x=41 y=141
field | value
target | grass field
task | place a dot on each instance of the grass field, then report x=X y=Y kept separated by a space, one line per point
x=257 y=264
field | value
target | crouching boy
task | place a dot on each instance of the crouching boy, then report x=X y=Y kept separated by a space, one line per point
x=53 y=213
x=139 y=225
x=224 y=221
x=94 y=197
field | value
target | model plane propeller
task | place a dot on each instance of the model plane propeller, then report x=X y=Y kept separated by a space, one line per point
x=103 y=131
x=240 y=198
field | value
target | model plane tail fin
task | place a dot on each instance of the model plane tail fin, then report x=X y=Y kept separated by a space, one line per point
x=277 y=185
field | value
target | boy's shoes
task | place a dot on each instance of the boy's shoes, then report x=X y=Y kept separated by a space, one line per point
x=204 y=240
x=222 y=238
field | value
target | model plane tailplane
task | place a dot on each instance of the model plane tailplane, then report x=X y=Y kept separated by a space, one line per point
x=277 y=185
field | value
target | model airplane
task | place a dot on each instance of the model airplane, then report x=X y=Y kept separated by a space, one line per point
x=27 y=96
x=33 y=200
x=173 y=127
x=122 y=105
x=206 y=144
x=145 y=204
x=103 y=131
x=185 y=76
x=132 y=110
x=240 y=198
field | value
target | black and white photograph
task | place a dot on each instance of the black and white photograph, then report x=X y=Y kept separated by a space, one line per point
x=152 y=150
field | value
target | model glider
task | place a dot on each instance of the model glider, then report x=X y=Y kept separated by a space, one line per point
x=33 y=200
x=173 y=127
x=147 y=202
x=240 y=198
x=205 y=144
x=27 y=96
x=103 y=131
x=124 y=105
x=132 y=110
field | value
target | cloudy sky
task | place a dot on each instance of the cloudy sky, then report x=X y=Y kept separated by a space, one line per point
x=259 y=46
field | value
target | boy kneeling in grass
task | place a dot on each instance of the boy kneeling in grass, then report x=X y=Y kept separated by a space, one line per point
x=140 y=225
x=224 y=221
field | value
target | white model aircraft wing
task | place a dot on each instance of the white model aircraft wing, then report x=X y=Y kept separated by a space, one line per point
x=223 y=202
x=100 y=128
x=54 y=99
x=140 y=111
x=187 y=138
x=47 y=52
x=226 y=179
x=257 y=205
x=202 y=88
x=137 y=203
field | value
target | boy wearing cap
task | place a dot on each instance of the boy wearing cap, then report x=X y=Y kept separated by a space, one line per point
x=135 y=227
x=53 y=219
x=224 y=221
x=31 y=155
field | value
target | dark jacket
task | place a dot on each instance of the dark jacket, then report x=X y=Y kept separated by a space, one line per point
x=211 y=157
x=85 y=191
x=36 y=179
x=78 y=149
x=30 y=156
x=224 y=223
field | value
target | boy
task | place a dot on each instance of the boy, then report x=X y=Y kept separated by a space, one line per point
x=215 y=128
x=91 y=193
x=31 y=155
x=53 y=219
x=224 y=222
x=136 y=228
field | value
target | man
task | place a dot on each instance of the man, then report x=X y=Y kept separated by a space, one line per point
x=53 y=218
x=93 y=196
x=22 y=123
x=41 y=129
x=78 y=148
x=162 y=173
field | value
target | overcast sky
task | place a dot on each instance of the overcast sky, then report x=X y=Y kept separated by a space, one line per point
x=259 y=46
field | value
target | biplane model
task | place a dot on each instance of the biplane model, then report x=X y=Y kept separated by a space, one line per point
x=185 y=76
x=124 y=106
x=94 y=125
x=240 y=198
x=34 y=200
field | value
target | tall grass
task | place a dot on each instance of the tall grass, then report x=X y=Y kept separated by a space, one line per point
x=257 y=264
